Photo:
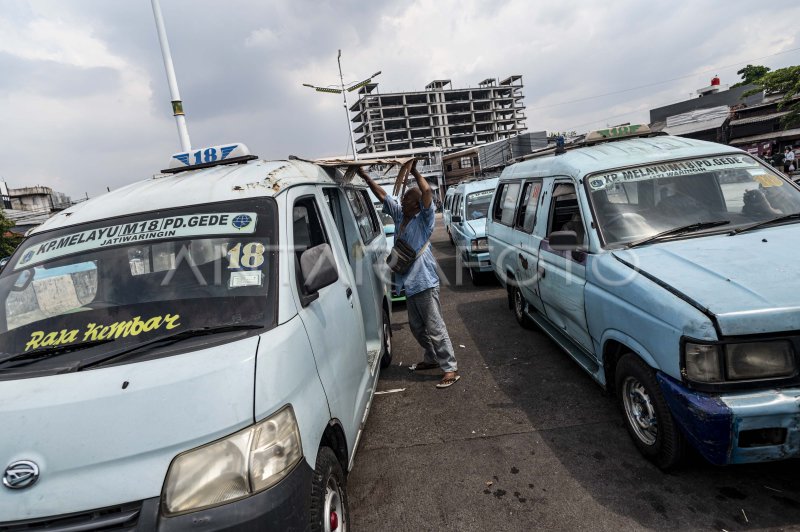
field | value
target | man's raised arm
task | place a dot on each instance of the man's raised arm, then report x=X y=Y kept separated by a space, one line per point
x=373 y=186
x=424 y=187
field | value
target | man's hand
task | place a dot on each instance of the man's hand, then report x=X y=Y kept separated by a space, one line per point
x=424 y=187
x=373 y=186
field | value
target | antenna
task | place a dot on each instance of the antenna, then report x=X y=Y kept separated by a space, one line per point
x=177 y=104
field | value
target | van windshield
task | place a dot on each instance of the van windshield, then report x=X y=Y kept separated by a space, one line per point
x=131 y=279
x=478 y=204
x=727 y=192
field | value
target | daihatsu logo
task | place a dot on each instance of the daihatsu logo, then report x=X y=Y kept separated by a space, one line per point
x=20 y=474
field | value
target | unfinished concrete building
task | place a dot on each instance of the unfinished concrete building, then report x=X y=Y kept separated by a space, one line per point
x=439 y=116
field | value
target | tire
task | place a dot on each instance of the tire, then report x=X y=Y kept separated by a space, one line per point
x=475 y=277
x=386 y=357
x=328 y=494
x=518 y=305
x=647 y=416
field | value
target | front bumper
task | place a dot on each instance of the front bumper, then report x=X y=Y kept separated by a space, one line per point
x=736 y=428
x=282 y=507
x=479 y=262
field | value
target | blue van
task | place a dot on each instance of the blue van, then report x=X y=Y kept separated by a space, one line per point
x=469 y=209
x=666 y=267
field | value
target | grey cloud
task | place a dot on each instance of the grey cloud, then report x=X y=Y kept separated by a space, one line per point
x=53 y=79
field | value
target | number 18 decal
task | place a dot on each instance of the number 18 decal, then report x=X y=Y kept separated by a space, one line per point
x=249 y=256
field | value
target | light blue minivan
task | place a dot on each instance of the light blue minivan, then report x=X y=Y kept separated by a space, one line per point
x=667 y=268
x=469 y=209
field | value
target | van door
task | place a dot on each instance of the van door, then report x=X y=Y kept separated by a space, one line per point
x=361 y=231
x=527 y=242
x=562 y=274
x=502 y=248
x=333 y=321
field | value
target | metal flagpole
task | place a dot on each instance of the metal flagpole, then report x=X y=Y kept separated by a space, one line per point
x=177 y=104
x=346 y=111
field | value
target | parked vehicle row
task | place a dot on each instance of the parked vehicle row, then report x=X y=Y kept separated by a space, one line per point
x=198 y=350
x=661 y=265
x=466 y=208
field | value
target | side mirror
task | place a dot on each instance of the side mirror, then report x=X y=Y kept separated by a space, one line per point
x=563 y=240
x=455 y=219
x=318 y=269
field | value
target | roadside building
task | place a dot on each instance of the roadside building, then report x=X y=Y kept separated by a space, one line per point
x=28 y=207
x=439 y=116
x=704 y=117
x=758 y=129
x=485 y=158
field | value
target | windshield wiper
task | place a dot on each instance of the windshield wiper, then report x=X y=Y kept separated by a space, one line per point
x=784 y=218
x=690 y=228
x=164 y=340
x=40 y=354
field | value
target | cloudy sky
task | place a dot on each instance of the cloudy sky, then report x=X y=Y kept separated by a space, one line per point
x=85 y=104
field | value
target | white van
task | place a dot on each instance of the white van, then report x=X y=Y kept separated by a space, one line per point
x=198 y=351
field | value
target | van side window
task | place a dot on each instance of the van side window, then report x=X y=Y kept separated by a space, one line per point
x=565 y=213
x=529 y=201
x=366 y=225
x=332 y=199
x=506 y=203
x=308 y=230
x=457 y=205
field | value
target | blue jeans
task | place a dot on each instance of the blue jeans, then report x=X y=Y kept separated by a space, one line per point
x=427 y=326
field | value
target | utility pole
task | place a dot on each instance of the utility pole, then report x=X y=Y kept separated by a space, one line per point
x=344 y=92
x=177 y=104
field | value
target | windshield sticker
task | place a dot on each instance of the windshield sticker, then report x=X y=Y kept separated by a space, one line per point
x=154 y=229
x=483 y=194
x=245 y=278
x=671 y=169
x=249 y=257
x=96 y=331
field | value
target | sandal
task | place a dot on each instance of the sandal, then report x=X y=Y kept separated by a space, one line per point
x=422 y=366
x=448 y=381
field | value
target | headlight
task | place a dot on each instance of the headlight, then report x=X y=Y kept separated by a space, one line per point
x=703 y=363
x=759 y=360
x=480 y=244
x=234 y=467
x=740 y=361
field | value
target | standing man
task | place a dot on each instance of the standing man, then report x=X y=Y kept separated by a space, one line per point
x=788 y=161
x=415 y=218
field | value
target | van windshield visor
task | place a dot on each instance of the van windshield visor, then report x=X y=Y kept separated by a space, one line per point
x=478 y=204
x=134 y=278
x=633 y=204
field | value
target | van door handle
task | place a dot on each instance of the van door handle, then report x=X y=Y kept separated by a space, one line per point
x=541 y=271
x=349 y=292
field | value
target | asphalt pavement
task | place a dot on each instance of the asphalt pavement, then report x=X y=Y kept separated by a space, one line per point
x=526 y=440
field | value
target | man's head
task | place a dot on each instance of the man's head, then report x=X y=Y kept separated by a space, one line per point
x=788 y=149
x=411 y=201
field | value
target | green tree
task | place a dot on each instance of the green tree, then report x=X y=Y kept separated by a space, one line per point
x=751 y=74
x=7 y=243
x=785 y=81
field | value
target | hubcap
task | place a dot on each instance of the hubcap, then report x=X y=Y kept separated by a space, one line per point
x=337 y=514
x=640 y=410
x=387 y=339
x=518 y=305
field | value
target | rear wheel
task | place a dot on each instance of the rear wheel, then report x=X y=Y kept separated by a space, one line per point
x=386 y=357
x=329 y=510
x=647 y=416
x=519 y=306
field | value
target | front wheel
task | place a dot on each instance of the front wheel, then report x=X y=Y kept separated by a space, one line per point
x=519 y=305
x=386 y=357
x=329 y=510
x=647 y=416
